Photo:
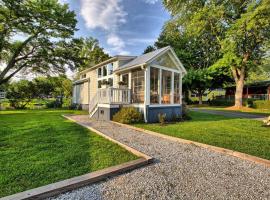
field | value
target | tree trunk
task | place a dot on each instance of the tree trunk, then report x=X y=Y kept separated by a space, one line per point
x=239 y=77
x=239 y=93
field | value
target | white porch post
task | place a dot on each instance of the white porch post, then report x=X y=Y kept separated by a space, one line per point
x=146 y=90
x=172 y=88
x=129 y=80
x=160 y=85
x=147 y=86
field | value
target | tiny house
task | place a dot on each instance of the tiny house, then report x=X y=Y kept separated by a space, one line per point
x=151 y=82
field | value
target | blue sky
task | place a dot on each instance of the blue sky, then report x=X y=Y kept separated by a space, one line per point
x=123 y=27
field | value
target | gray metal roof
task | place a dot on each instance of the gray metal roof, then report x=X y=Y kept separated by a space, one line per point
x=143 y=58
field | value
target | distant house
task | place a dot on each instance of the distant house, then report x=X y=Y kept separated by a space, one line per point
x=151 y=82
x=258 y=90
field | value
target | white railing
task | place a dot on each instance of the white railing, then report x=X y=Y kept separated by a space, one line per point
x=114 y=96
x=109 y=96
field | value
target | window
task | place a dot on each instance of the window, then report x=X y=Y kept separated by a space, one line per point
x=110 y=80
x=83 y=76
x=177 y=88
x=99 y=84
x=154 y=85
x=125 y=79
x=110 y=68
x=165 y=61
x=104 y=71
x=166 y=87
x=99 y=72
x=137 y=81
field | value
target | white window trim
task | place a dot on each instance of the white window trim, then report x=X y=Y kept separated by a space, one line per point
x=147 y=86
x=165 y=68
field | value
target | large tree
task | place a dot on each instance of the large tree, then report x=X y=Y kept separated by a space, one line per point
x=241 y=28
x=34 y=35
x=197 y=53
x=91 y=53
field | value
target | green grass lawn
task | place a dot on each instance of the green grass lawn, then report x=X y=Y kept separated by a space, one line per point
x=38 y=147
x=244 y=135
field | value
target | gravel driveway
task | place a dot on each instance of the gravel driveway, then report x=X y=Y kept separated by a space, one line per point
x=180 y=171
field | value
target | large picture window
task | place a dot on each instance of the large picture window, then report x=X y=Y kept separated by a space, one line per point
x=165 y=61
x=137 y=81
x=110 y=68
x=166 y=87
x=176 y=88
x=154 y=85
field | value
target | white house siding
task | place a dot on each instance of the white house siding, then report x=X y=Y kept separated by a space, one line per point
x=93 y=83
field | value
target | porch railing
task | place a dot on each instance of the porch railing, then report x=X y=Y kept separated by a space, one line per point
x=114 y=96
x=109 y=96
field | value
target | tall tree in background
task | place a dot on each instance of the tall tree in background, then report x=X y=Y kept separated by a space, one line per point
x=241 y=28
x=91 y=53
x=33 y=37
x=149 y=49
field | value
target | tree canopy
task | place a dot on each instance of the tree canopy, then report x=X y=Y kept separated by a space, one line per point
x=240 y=30
x=22 y=92
x=91 y=53
x=35 y=38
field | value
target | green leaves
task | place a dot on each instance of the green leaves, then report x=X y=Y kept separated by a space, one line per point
x=44 y=26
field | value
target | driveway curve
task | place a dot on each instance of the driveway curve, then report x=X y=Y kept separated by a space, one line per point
x=180 y=171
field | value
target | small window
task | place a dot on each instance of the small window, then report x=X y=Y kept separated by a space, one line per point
x=99 y=84
x=110 y=80
x=99 y=72
x=105 y=71
x=83 y=76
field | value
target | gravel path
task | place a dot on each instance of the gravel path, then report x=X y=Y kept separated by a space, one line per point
x=226 y=113
x=180 y=171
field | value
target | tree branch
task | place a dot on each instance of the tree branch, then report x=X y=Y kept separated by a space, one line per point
x=12 y=61
x=4 y=80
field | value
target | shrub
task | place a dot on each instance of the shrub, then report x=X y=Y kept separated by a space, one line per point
x=222 y=102
x=261 y=104
x=128 y=115
x=162 y=118
x=230 y=102
x=185 y=115
x=249 y=103
x=267 y=121
x=51 y=104
x=67 y=103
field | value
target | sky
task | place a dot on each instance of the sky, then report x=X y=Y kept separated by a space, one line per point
x=123 y=27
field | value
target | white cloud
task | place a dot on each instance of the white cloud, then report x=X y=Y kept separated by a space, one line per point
x=151 y=1
x=108 y=14
x=146 y=41
x=117 y=44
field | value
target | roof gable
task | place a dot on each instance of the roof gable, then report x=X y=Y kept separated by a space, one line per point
x=156 y=57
